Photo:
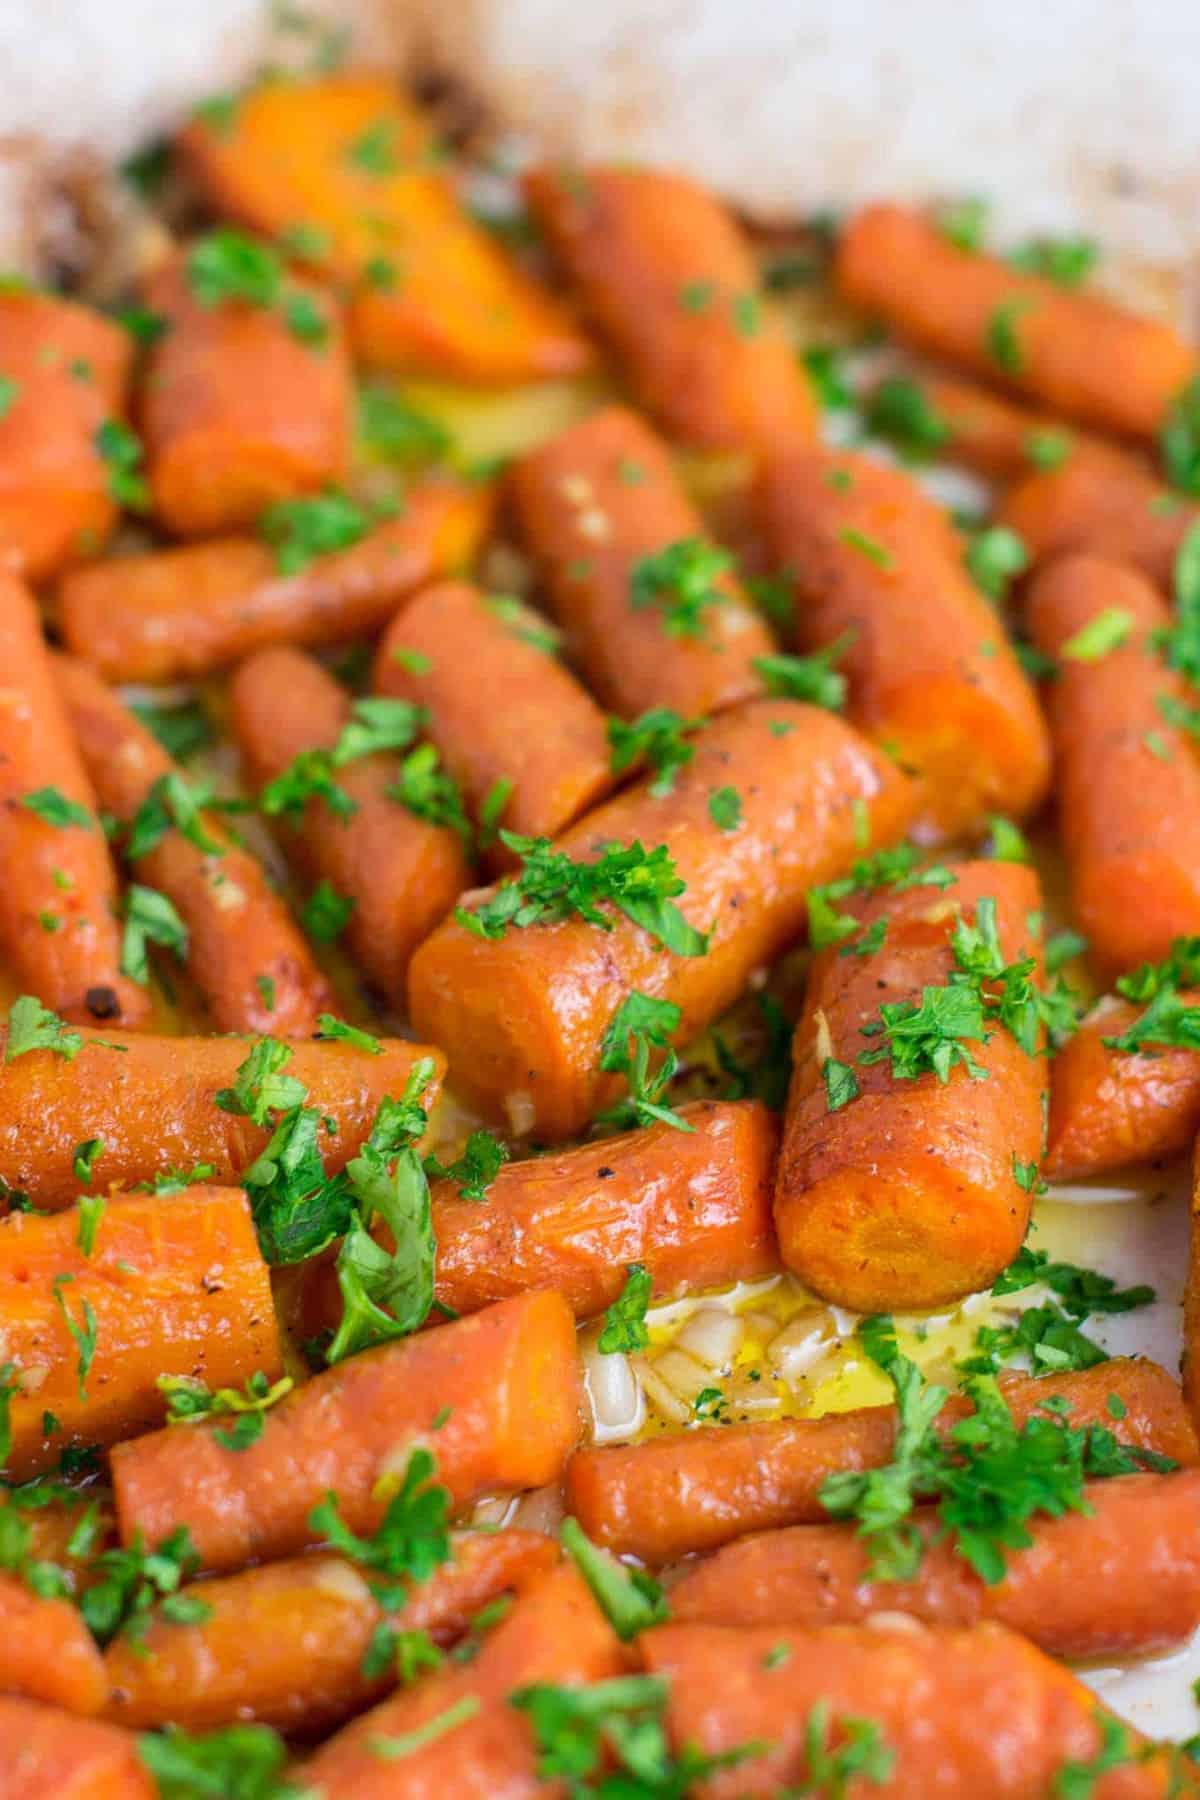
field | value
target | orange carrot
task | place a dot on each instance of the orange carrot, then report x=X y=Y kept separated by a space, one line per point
x=523 y=1015
x=1109 y=508
x=179 y=613
x=877 y=567
x=252 y=967
x=65 y=370
x=607 y=519
x=402 y=872
x=1110 y=1108
x=58 y=898
x=495 y=1398
x=1191 y=1303
x=1128 y=779
x=1080 y=355
x=668 y=1496
x=47 y=1652
x=285 y=1643
x=47 y=1754
x=671 y=283
x=151 y=1100
x=349 y=167
x=94 y=1313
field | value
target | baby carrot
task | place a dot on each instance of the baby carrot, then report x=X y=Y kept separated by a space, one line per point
x=48 y=1754
x=937 y=414
x=58 y=929
x=651 y=609
x=1109 y=1107
x=1109 y=508
x=876 y=566
x=1191 y=1303
x=47 y=1652
x=164 y=615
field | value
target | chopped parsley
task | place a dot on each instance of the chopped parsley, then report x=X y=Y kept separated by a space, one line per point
x=130 y=1581
x=326 y=913
x=841 y=1083
x=32 y=1026
x=866 y=546
x=812 y=679
x=150 y=918
x=189 y=1400
x=1062 y=948
x=1179 y=440
x=639 y=1025
x=861 y=1754
x=630 y=1599
x=964 y=223
x=1168 y=1020
x=396 y=431
x=337 y=1031
x=1047 y=448
x=226 y=266
x=313 y=525
x=483 y=1156
x=1103 y=634
x=1076 y=1780
x=1006 y=841
x=660 y=739
x=625 y=1320
x=429 y=791
x=121 y=449
x=53 y=807
x=1067 y=261
x=1001 y=339
x=85 y=1158
x=902 y=413
x=238 y=1762
x=84 y=1334
x=181 y=729
x=681 y=582
x=895 y=869
x=411 y=1541
x=175 y=803
x=995 y=557
x=725 y=808
x=91 y=1210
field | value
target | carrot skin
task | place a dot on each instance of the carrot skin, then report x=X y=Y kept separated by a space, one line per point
x=170 y=615
x=999 y=437
x=592 y=503
x=1108 y=508
x=402 y=872
x=522 y=1017
x=47 y=1652
x=48 y=1754
x=505 y=1384
x=1111 y=1108
x=1190 y=1361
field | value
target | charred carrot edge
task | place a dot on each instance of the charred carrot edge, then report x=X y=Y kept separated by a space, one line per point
x=661 y=1499
x=669 y=280
x=58 y=897
x=401 y=872
x=1106 y=507
x=1112 y=1108
x=495 y=1398
x=47 y=1652
x=522 y=1017
x=53 y=1755
x=172 y=614
x=1127 y=776
x=1082 y=356
x=151 y=1100
x=251 y=965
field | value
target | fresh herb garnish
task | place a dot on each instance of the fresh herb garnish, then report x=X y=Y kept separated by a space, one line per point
x=625 y=1320
x=238 y=1762
x=681 y=581
x=902 y=413
x=308 y=526
x=121 y=449
x=32 y=1026
x=150 y=918
x=1179 y=440
x=326 y=913
x=483 y=1156
x=812 y=679
x=639 y=1025
x=660 y=739
x=630 y=1599
x=1103 y=634
x=995 y=557
x=1067 y=261
x=130 y=1581
x=53 y=807
x=189 y=1400
x=411 y=1541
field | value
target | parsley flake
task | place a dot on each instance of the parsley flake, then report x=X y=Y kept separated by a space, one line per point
x=681 y=582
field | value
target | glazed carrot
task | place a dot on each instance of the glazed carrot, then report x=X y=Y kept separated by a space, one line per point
x=170 y=1285
x=1128 y=782
x=522 y=1016
x=47 y=1652
x=65 y=370
x=402 y=872
x=475 y=666
x=1190 y=1360
x=876 y=564
x=48 y=1754
x=1081 y=356
x=58 y=897
x=251 y=966
x=51 y=1526
x=285 y=1643
x=151 y=1100
x=967 y=1715
x=554 y=1633
x=1106 y=507
x=1110 y=1108
x=351 y=163
x=998 y=437
x=179 y=613
x=668 y=1496
x=495 y=1398
x=667 y=276
x=1120 y=1580
x=694 y=1208
x=601 y=507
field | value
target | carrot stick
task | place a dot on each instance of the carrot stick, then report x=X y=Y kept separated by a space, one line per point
x=285 y=1643
x=170 y=614
x=58 y=898
x=523 y=1016
x=456 y=653
x=668 y=1496
x=670 y=281
x=1128 y=779
x=251 y=966
x=48 y=1754
x=907 y=1193
x=47 y=1652
x=402 y=872
x=171 y=1285
x=876 y=565
x=554 y=1633
x=494 y=1397
x=1109 y=508
x=151 y=1100
x=606 y=517
x=68 y=369
x=1080 y=355
x=1110 y=1108
x=999 y=437
x=351 y=163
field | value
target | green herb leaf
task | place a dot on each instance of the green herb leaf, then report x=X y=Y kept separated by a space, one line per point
x=841 y=1083
x=84 y=1161
x=1067 y=261
x=995 y=556
x=625 y=1320
x=1002 y=341
x=122 y=450
x=866 y=546
x=639 y=1025
x=660 y=739
x=681 y=582
x=83 y=1333
x=411 y=1542
x=389 y=427
x=32 y=1026
x=150 y=918
x=812 y=679
x=238 y=1762
x=630 y=1599
x=1179 y=440
x=326 y=913
x=964 y=223
x=91 y=1210
x=1104 y=633
x=725 y=808
x=337 y=1030
x=1006 y=841
x=475 y=1170
x=430 y=792
x=313 y=525
x=901 y=412
x=181 y=729
x=53 y=807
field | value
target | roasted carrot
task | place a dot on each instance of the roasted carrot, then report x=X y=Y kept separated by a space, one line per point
x=49 y=1524
x=285 y=1643
x=251 y=965
x=494 y=1397
x=402 y=872
x=523 y=1015
x=668 y=1496
x=163 y=1285
x=1190 y=1360
x=1128 y=781
x=1110 y=1108
x=1080 y=355
x=47 y=1652
x=178 y=613
x=58 y=897
x=48 y=1754
x=151 y=1101
x=554 y=1633
x=352 y=166
x=66 y=370
x=876 y=566
x=476 y=665
x=1107 y=507
x=650 y=609
x=670 y=281
x=966 y=1715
